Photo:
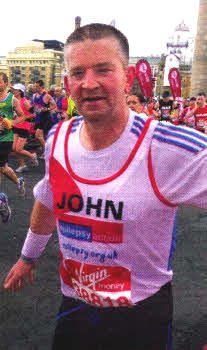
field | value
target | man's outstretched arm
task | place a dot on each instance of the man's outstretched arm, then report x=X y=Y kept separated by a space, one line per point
x=42 y=225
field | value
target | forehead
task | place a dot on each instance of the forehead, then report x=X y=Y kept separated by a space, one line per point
x=132 y=98
x=93 y=52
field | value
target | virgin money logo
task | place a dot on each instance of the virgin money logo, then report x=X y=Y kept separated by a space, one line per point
x=99 y=285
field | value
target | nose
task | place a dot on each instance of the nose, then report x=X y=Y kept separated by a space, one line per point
x=89 y=80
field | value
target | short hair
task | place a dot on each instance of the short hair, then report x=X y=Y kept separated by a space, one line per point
x=202 y=94
x=40 y=83
x=141 y=98
x=4 y=77
x=165 y=94
x=96 y=31
x=193 y=99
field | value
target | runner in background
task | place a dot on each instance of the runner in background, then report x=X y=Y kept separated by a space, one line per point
x=51 y=92
x=189 y=120
x=200 y=113
x=43 y=104
x=71 y=111
x=60 y=113
x=30 y=92
x=8 y=105
x=136 y=104
x=21 y=131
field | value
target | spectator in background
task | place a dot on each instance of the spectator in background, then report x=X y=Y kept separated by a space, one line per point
x=154 y=108
x=166 y=106
x=174 y=116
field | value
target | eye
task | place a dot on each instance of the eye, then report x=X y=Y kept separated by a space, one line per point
x=103 y=70
x=77 y=74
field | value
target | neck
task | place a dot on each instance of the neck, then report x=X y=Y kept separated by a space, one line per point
x=100 y=133
x=41 y=91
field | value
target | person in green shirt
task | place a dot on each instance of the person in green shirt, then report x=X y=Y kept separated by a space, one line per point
x=71 y=111
x=8 y=105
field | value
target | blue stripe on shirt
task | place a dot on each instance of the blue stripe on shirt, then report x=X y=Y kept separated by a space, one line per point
x=135 y=131
x=185 y=130
x=176 y=143
x=183 y=137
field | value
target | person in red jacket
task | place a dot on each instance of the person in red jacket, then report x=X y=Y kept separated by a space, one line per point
x=21 y=131
x=189 y=121
x=200 y=113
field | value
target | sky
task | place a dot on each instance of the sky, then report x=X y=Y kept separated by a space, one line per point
x=147 y=23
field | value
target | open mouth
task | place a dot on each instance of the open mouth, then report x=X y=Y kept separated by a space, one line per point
x=93 y=99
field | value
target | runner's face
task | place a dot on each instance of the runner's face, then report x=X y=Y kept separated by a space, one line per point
x=3 y=85
x=201 y=101
x=97 y=77
x=38 y=88
x=58 y=92
x=133 y=103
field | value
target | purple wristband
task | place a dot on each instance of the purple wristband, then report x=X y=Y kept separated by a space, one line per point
x=34 y=245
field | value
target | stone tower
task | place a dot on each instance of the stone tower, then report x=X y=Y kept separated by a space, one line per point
x=77 y=22
x=199 y=67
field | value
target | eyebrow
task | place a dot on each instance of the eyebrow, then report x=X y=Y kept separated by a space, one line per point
x=98 y=65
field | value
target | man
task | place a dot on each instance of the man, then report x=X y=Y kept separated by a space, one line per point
x=166 y=106
x=110 y=187
x=61 y=101
x=43 y=104
x=200 y=113
x=8 y=105
x=189 y=120
x=136 y=103
x=186 y=103
x=22 y=130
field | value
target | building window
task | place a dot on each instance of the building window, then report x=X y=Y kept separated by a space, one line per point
x=43 y=68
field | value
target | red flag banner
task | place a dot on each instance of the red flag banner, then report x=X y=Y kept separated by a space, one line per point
x=175 y=83
x=130 y=78
x=144 y=77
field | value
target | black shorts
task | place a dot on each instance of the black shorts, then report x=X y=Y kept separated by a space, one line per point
x=5 y=149
x=145 y=326
x=44 y=122
x=23 y=133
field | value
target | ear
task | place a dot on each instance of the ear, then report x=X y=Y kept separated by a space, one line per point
x=66 y=84
x=130 y=76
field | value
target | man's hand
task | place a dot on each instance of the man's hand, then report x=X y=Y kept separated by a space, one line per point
x=17 y=275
